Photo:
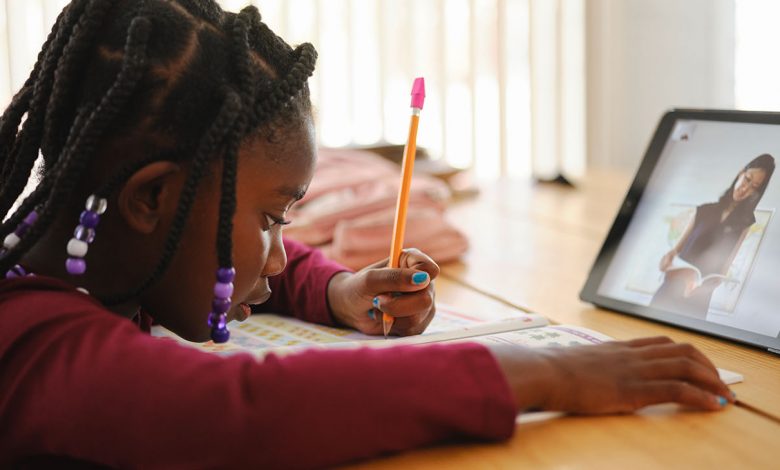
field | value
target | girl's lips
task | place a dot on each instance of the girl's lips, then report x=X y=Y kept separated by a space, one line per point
x=242 y=311
x=245 y=310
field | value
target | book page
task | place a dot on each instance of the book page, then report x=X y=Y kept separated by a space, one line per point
x=262 y=332
x=679 y=263
x=548 y=336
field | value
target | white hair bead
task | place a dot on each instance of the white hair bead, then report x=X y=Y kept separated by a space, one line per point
x=96 y=204
x=77 y=248
x=11 y=240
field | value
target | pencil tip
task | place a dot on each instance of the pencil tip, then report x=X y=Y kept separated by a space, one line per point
x=386 y=324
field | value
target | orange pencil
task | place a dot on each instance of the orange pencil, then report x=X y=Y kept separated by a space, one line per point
x=399 y=226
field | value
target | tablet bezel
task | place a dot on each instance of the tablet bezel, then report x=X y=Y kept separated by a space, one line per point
x=625 y=213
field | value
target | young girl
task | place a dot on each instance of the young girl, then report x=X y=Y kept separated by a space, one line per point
x=175 y=137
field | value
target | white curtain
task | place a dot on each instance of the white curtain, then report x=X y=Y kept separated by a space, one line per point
x=504 y=78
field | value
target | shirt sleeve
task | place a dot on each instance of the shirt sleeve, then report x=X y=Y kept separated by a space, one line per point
x=89 y=385
x=301 y=289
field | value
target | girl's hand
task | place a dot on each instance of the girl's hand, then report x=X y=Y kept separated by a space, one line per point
x=406 y=293
x=616 y=377
x=666 y=260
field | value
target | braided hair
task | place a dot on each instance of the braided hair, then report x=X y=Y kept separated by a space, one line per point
x=176 y=80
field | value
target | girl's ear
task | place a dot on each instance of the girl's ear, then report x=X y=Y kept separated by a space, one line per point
x=149 y=194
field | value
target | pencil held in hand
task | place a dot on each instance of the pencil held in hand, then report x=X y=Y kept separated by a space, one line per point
x=407 y=168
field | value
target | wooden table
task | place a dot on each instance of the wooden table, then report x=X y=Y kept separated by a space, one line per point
x=532 y=248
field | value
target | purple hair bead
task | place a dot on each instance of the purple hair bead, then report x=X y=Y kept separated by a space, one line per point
x=31 y=218
x=223 y=290
x=226 y=275
x=75 y=265
x=89 y=219
x=217 y=320
x=84 y=234
x=220 y=305
x=220 y=335
x=16 y=271
x=21 y=229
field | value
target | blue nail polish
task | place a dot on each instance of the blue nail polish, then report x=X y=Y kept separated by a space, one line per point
x=371 y=314
x=722 y=401
x=375 y=302
x=419 y=278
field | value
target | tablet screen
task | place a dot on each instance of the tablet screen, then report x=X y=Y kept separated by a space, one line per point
x=702 y=243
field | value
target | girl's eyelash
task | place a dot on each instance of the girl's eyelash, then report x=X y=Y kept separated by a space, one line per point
x=276 y=221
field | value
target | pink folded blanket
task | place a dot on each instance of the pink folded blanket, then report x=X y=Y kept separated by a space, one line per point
x=349 y=208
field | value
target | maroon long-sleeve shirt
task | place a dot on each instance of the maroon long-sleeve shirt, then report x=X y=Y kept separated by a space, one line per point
x=79 y=382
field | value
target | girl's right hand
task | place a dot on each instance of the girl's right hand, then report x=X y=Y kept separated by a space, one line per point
x=615 y=377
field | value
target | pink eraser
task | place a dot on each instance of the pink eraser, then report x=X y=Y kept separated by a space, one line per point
x=418 y=93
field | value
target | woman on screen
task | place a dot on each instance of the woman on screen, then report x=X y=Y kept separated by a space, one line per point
x=701 y=259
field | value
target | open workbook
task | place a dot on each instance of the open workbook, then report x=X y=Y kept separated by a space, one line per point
x=680 y=265
x=264 y=333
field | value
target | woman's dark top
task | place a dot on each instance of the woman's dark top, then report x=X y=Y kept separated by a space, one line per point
x=711 y=241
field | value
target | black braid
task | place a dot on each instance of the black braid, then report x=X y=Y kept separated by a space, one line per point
x=227 y=200
x=287 y=88
x=9 y=125
x=31 y=100
x=9 y=122
x=70 y=165
x=240 y=46
x=44 y=187
x=266 y=42
x=77 y=53
x=227 y=204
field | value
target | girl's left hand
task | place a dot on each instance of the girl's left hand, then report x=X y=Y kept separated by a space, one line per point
x=358 y=300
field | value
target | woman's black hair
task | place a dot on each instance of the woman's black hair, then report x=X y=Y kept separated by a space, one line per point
x=745 y=209
x=177 y=80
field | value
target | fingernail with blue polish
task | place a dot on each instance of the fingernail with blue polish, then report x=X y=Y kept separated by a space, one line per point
x=722 y=401
x=375 y=302
x=419 y=278
x=371 y=314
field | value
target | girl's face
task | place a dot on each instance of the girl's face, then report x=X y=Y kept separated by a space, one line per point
x=748 y=182
x=270 y=179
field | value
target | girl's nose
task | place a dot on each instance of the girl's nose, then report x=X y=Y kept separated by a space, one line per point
x=277 y=257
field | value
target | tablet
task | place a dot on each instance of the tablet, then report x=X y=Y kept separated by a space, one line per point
x=696 y=242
